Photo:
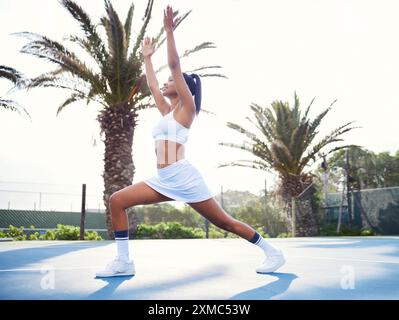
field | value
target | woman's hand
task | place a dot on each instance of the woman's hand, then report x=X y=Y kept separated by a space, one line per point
x=147 y=48
x=168 y=23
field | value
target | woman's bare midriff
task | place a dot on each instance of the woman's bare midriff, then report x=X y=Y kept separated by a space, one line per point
x=168 y=152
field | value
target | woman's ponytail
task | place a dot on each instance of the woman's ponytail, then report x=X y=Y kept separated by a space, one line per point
x=194 y=83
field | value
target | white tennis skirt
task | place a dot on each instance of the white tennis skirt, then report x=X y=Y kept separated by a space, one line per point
x=180 y=181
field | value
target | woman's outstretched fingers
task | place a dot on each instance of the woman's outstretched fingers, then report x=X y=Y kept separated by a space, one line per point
x=168 y=19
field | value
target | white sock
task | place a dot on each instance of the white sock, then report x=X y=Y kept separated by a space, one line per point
x=267 y=248
x=122 y=243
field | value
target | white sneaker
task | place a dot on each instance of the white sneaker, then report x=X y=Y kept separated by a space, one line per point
x=272 y=263
x=117 y=268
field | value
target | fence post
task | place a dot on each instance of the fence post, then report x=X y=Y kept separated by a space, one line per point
x=293 y=213
x=83 y=213
x=221 y=200
x=207 y=228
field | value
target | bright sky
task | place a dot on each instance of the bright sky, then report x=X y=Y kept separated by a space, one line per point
x=338 y=49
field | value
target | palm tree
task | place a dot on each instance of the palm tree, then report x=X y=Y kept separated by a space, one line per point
x=285 y=146
x=19 y=80
x=116 y=81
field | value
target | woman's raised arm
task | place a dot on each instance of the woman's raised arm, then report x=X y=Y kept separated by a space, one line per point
x=152 y=82
x=174 y=62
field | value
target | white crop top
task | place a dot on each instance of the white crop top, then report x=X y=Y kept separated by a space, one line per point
x=169 y=129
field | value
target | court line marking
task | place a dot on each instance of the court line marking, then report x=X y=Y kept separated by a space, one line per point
x=344 y=259
x=47 y=268
x=289 y=256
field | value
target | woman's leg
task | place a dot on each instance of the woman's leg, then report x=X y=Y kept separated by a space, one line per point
x=212 y=211
x=136 y=194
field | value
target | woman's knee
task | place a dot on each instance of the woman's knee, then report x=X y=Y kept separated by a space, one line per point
x=115 y=200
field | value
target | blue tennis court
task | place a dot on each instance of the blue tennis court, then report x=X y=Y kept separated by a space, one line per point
x=316 y=268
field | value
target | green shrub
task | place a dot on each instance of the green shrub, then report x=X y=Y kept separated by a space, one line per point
x=232 y=235
x=63 y=232
x=168 y=230
x=67 y=232
x=328 y=231
x=261 y=231
x=49 y=235
x=16 y=233
x=145 y=231
x=215 y=233
x=331 y=230
x=175 y=230
x=284 y=235
x=367 y=232
x=92 y=235
x=34 y=236
x=353 y=232
x=199 y=233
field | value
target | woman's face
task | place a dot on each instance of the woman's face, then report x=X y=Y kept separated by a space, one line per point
x=169 y=88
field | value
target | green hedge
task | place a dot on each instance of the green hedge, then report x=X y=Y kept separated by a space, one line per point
x=163 y=230
x=331 y=230
x=63 y=232
x=168 y=230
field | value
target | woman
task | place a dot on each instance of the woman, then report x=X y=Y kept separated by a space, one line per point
x=176 y=179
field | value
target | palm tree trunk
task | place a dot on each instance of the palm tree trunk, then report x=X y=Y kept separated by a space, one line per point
x=306 y=223
x=118 y=123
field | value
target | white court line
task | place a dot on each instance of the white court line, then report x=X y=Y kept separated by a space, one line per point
x=47 y=268
x=55 y=246
x=344 y=259
x=288 y=256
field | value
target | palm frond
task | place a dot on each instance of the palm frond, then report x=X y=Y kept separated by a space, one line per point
x=185 y=54
x=305 y=116
x=14 y=106
x=330 y=138
x=207 y=111
x=95 y=46
x=282 y=157
x=258 y=146
x=73 y=98
x=11 y=74
x=55 y=52
x=316 y=122
x=128 y=25
x=204 y=67
x=266 y=121
x=45 y=78
x=117 y=46
x=218 y=75
x=314 y=125
x=258 y=149
x=258 y=165
x=298 y=137
x=140 y=36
